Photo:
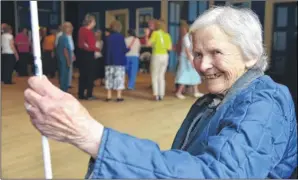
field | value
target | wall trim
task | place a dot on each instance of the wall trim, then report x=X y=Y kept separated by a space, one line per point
x=164 y=6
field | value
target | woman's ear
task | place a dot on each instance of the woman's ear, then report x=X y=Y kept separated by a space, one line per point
x=250 y=63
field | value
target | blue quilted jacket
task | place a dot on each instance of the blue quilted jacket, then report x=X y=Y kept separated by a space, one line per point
x=252 y=133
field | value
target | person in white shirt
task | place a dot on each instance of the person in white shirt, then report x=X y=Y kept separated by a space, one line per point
x=100 y=63
x=9 y=55
x=132 y=56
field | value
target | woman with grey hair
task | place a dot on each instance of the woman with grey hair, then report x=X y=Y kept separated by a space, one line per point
x=245 y=127
x=86 y=60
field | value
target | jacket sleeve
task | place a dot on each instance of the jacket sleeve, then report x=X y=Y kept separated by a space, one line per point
x=243 y=148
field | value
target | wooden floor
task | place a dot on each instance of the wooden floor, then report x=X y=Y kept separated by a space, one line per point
x=138 y=115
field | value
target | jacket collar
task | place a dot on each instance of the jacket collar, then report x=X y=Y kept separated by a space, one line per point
x=242 y=83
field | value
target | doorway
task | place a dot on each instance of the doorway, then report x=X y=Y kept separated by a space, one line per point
x=284 y=46
x=122 y=15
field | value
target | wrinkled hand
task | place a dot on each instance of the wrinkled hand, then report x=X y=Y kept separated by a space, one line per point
x=59 y=116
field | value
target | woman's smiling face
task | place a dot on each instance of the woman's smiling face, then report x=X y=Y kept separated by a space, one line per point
x=219 y=62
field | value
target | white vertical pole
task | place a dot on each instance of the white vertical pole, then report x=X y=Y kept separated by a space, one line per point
x=38 y=71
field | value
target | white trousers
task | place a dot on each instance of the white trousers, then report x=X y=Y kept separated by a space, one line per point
x=158 y=68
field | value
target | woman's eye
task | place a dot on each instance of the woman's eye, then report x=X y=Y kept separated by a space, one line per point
x=196 y=54
x=216 y=52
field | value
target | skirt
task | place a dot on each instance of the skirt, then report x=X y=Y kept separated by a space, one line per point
x=186 y=74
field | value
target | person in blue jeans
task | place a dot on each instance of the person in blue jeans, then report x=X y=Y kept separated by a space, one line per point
x=64 y=53
x=132 y=68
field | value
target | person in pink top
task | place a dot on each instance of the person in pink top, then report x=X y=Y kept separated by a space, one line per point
x=23 y=46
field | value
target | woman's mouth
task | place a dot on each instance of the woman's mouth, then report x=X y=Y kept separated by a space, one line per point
x=212 y=76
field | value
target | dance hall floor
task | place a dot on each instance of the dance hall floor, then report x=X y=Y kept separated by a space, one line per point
x=138 y=115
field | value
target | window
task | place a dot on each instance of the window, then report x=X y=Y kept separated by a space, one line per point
x=192 y=10
x=196 y=8
x=282 y=16
x=202 y=6
x=174 y=22
x=280 y=41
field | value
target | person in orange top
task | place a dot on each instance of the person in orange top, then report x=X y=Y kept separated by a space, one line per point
x=48 y=47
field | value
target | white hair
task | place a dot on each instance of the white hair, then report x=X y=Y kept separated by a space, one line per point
x=243 y=26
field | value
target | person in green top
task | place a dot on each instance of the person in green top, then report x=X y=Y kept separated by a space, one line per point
x=161 y=43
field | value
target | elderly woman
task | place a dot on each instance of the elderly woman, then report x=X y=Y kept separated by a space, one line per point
x=65 y=56
x=86 y=61
x=244 y=128
x=115 y=62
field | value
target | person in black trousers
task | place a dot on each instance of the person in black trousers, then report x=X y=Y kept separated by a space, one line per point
x=23 y=46
x=9 y=55
x=87 y=48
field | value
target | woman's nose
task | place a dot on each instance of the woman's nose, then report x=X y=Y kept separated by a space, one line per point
x=206 y=63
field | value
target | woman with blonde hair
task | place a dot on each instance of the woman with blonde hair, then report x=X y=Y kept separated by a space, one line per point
x=186 y=74
x=161 y=43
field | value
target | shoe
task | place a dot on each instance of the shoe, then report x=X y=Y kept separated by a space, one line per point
x=160 y=98
x=82 y=97
x=119 y=99
x=92 y=98
x=198 y=94
x=108 y=99
x=180 y=96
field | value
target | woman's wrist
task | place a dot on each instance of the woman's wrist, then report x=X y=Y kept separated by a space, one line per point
x=92 y=140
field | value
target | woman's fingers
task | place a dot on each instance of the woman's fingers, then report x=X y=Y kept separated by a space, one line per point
x=43 y=86
x=32 y=98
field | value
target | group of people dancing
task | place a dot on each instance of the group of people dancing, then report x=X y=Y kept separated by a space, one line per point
x=118 y=56
x=17 y=52
x=107 y=57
